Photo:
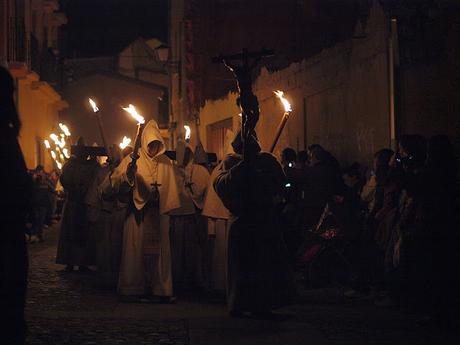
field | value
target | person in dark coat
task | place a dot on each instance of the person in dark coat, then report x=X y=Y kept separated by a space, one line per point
x=437 y=239
x=258 y=273
x=76 y=246
x=15 y=203
x=321 y=181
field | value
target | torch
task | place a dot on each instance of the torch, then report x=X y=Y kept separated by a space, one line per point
x=96 y=111
x=284 y=119
x=131 y=109
x=188 y=133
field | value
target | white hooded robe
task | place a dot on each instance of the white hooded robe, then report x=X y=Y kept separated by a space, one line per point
x=218 y=227
x=146 y=255
x=188 y=231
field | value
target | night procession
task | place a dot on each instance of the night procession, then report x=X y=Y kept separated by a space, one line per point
x=230 y=172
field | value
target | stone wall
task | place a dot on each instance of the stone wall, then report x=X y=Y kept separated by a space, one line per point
x=340 y=98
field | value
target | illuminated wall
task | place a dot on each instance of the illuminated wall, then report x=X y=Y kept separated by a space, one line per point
x=340 y=98
x=38 y=105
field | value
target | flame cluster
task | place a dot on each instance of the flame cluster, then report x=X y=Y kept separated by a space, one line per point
x=58 y=147
x=125 y=142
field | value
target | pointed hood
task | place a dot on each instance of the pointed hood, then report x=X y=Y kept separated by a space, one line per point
x=147 y=166
x=150 y=134
x=181 y=147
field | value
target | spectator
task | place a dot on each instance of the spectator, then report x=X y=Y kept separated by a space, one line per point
x=320 y=185
x=41 y=205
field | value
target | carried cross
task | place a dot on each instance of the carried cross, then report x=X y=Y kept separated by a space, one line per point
x=243 y=74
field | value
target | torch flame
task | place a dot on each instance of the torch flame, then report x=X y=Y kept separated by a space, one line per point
x=47 y=144
x=59 y=165
x=188 y=132
x=93 y=105
x=126 y=141
x=53 y=154
x=54 y=137
x=286 y=104
x=131 y=109
x=66 y=153
x=65 y=129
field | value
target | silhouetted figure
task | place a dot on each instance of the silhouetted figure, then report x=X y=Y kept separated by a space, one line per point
x=302 y=159
x=437 y=241
x=15 y=203
x=293 y=194
x=320 y=185
x=76 y=247
x=257 y=264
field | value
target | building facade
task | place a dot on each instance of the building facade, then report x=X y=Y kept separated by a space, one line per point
x=359 y=73
x=29 y=47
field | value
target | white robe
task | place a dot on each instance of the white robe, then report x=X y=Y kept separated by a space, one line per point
x=188 y=231
x=218 y=226
x=146 y=256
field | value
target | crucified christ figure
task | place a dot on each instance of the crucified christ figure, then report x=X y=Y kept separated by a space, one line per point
x=247 y=101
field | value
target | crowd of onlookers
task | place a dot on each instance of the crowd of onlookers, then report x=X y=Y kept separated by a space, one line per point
x=386 y=232
x=47 y=202
x=389 y=232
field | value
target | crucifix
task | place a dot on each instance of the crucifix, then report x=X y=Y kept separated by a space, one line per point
x=248 y=101
x=155 y=192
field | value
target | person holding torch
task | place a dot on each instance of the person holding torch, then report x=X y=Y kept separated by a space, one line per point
x=146 y=180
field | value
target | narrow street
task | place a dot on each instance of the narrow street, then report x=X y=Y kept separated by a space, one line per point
x=65 y=308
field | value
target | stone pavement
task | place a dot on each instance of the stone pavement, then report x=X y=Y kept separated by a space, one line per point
x=69 y=309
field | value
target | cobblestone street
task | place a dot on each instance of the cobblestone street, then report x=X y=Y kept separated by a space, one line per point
x=65 y=308
x=68 y=308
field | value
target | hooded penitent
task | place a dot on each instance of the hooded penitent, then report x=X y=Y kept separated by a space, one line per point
x=193 y=177
x=152 y=172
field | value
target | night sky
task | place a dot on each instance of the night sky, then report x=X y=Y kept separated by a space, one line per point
x=104 y=27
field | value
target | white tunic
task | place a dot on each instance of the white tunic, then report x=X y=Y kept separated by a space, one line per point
x=146 y=257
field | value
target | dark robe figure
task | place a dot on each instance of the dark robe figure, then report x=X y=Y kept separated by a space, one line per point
x=16 y=187
x=109 y=225
x=76 y=246
x=258 y=272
